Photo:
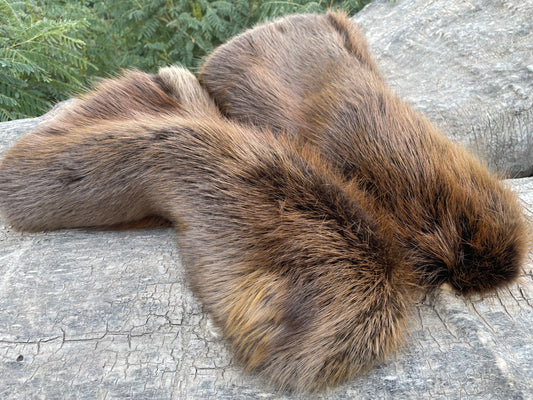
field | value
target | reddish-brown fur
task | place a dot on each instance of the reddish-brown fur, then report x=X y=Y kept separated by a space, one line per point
x=302 y=239
x=306 y=284
x=312 y=76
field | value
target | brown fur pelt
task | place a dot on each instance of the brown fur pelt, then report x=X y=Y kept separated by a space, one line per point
x=307 y=221
x=303 y=278
x=312 y=76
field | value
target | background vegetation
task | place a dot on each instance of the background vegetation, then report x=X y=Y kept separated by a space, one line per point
x=50 y=49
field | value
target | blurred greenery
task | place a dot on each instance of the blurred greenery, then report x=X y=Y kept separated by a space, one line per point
x=51 y=49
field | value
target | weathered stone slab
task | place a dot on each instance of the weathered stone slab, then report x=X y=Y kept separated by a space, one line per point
x=467 y=65
x=92 y=314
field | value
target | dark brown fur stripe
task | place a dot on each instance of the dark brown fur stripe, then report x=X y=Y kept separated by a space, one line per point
x=311 y=76
x=306 y=224
x=307 y=286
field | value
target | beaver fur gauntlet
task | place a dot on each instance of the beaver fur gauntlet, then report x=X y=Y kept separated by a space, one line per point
x=312 y=205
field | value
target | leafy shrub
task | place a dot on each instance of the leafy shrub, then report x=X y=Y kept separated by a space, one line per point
x=163 y=32
x=52 y=48
x=40 y=59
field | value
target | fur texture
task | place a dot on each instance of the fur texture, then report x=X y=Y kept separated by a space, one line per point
x=312 y=76
x=306 y=284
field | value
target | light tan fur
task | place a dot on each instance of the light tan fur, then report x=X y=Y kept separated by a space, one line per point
x=311 y=76
x=307 y=286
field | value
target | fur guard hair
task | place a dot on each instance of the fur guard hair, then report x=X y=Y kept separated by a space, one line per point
x=311 y=203
x=311 y=76
x=304 y=282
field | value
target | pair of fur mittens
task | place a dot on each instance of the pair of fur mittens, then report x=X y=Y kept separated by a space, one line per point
x=312 y=204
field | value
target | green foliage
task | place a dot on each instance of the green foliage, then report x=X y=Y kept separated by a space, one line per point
x=51 y=48
x=40 y=59
x=163 y=32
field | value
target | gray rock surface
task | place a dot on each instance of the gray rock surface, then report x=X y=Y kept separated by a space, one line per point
x=467 y=65
x=88 y=314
